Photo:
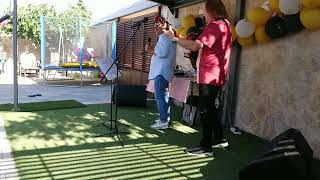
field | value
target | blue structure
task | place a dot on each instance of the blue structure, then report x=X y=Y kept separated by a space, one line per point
x=114 y=40
x=51 y=28
x=44 y=21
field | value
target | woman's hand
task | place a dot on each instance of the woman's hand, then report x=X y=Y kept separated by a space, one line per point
x=170 y=33
x=148 y=48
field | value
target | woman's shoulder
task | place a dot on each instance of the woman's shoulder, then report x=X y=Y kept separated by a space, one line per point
x=212 y=26
x=219 y=22
x=218 y=25
x=164 y=37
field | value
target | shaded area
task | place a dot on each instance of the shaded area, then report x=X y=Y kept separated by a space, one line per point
x=42 y=106
x=315 y=169
x=61 y=144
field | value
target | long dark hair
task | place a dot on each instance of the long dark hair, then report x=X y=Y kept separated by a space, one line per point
x=216 y=9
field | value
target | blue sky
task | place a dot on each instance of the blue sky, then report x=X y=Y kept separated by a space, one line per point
x=99 y=8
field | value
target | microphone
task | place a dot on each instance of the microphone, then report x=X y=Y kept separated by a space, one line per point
x=139 y=23
x=5 y=17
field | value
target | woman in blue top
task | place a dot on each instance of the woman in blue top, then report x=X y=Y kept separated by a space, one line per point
x=163 y=62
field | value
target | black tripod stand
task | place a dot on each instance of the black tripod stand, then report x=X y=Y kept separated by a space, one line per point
x=113 y=128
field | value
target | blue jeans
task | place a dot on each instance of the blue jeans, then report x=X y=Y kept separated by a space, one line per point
x=161 y=93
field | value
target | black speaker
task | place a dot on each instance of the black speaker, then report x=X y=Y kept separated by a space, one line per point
x=287 y=156
x=130 y=95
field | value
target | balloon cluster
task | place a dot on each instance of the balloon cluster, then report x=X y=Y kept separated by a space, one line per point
x=275 y=19
x=190 y=24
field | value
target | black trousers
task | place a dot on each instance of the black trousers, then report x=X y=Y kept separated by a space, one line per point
x=209 y=115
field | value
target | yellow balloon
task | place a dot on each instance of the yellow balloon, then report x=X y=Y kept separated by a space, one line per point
x=310 y=18
x=188 y=21
x=258 y=16
x=261 y=35
x=311 y=3
x=274 y=5
x=246 y=41
x=179 y=30
x=183 y=32
x=234 y=34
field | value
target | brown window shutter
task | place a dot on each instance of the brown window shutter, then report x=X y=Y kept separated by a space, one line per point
x=137 y=50
x=148 y=33
x=134 y=56
x=126 y=57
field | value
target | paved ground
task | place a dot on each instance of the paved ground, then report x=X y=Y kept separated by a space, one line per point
x=92 y=92
x=7 y=164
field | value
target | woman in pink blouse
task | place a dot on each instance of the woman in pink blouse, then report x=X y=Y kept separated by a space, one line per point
x=214 y=45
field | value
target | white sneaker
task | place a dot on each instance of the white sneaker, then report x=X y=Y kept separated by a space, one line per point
x=160 y=125
x=157 y=120
x=220 y=144
x=199 y=151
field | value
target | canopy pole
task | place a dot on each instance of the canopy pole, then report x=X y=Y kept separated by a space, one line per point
x=15 y=57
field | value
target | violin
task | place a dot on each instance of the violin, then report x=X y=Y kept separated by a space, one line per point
x=161 y=22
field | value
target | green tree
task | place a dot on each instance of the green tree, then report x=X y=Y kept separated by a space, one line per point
x=78 y=10
x=29 y=19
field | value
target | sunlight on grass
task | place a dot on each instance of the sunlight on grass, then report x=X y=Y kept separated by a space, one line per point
x=151 y=135
x=91 y=117
x=101 y=113
x=134 y=134
x=132 y=126
x=183 y=128
x=52 y=132
x=62 y=144
x=145 y=160
x=54 y=141
x=19 y=116
x=153 y=114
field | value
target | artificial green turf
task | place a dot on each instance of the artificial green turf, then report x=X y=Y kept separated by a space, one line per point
x=42 y=106
x=61 y=144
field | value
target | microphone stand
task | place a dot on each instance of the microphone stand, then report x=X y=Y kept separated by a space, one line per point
x=113 y=128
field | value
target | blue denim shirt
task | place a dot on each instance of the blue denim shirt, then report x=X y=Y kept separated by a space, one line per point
x=163 y=60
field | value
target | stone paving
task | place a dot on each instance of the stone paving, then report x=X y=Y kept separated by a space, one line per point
x=92 y=92
x=7 y=165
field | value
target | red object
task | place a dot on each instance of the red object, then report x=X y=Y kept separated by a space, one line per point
x=159 y=19
x=4 y=23
x=215 y=54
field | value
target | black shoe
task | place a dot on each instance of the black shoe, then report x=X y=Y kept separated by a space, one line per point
x=220 y=144
x=200 y=151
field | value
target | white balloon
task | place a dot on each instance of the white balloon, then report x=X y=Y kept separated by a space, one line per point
x=289 y=7
x=244 y=28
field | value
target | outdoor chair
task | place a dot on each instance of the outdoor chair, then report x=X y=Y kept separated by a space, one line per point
x=28 y=70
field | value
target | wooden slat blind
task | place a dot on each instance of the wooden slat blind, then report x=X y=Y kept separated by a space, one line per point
x=134 y=56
